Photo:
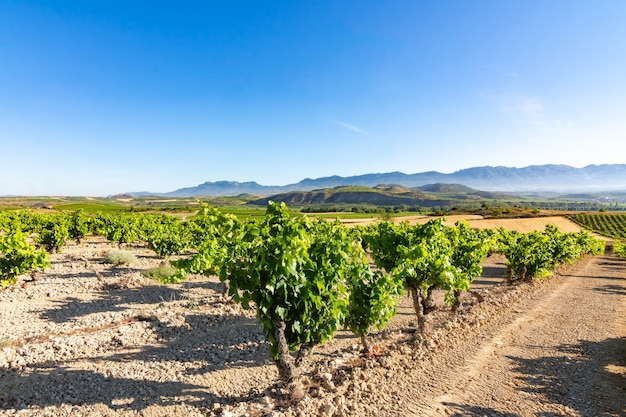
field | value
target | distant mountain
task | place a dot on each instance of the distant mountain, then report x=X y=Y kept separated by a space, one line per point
x=534 y=178
x=225 y=188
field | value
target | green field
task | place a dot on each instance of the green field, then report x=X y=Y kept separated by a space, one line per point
x=606 y=224
x=447 y=201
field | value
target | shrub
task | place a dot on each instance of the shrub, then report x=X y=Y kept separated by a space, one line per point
x=161 y=273
x=119 y=257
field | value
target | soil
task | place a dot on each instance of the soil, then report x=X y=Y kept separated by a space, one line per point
x=85 y=338
x=479 y=222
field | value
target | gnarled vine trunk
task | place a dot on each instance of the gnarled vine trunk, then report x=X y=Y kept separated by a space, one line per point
x=285 y=363
x=422 y=304
x=418 y=305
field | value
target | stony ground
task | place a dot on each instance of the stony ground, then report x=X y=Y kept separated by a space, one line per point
x=88 y=339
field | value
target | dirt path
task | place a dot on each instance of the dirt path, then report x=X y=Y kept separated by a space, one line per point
x=562 y=353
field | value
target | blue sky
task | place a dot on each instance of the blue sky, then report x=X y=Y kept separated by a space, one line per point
x=104 y=97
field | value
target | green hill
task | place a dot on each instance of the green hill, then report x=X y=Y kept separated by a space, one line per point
x=380 y=195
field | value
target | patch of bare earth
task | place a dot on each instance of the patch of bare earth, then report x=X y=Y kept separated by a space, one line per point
x=88 y=339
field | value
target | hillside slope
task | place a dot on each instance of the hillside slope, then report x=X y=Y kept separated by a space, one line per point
x=383 y=195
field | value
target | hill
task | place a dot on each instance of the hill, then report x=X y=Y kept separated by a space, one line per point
x=381 y=195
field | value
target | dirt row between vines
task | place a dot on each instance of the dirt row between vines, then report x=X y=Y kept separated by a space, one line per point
x=87 y=339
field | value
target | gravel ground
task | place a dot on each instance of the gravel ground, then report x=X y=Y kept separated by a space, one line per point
x=88 y=339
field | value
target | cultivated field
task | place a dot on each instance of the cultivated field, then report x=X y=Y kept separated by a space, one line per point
x=479 y=222
x=88 y=339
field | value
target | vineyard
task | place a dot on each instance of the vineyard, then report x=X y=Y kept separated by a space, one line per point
x=303 y=280
x=610 y=225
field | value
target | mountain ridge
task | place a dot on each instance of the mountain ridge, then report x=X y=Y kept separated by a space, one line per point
x=548 y=177
x=432 y=195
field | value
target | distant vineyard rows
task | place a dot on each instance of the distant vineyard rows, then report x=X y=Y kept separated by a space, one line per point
x=610 y=225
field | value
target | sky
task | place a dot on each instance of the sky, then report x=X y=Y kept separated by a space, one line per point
x=100 y=97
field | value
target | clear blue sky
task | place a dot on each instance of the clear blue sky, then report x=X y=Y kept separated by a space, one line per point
x=104 y=97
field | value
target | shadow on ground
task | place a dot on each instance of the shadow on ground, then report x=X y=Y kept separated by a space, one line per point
x=563 y=379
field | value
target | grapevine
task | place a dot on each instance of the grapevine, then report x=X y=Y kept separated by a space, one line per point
x=295 y=274
x=17 y=257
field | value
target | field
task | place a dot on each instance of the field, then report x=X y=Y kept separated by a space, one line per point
x=358 y=202
x=85 y=338
x=607 y=224
x=479 y=222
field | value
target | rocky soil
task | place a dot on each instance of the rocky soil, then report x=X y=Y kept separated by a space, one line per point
x=87 y=339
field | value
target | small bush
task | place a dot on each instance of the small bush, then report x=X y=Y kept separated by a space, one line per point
x=119 y=257
x=161 y=273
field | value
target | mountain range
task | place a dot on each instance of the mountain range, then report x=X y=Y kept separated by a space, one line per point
x=558 y=178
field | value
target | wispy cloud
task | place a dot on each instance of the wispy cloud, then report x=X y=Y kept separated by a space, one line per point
x=515 y=103
x=531 y=110
x=352 y=128
x=532 y=113
x=530 y=106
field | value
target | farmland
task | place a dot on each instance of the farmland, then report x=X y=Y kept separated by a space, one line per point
x=85 y=337
x=607 y=224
